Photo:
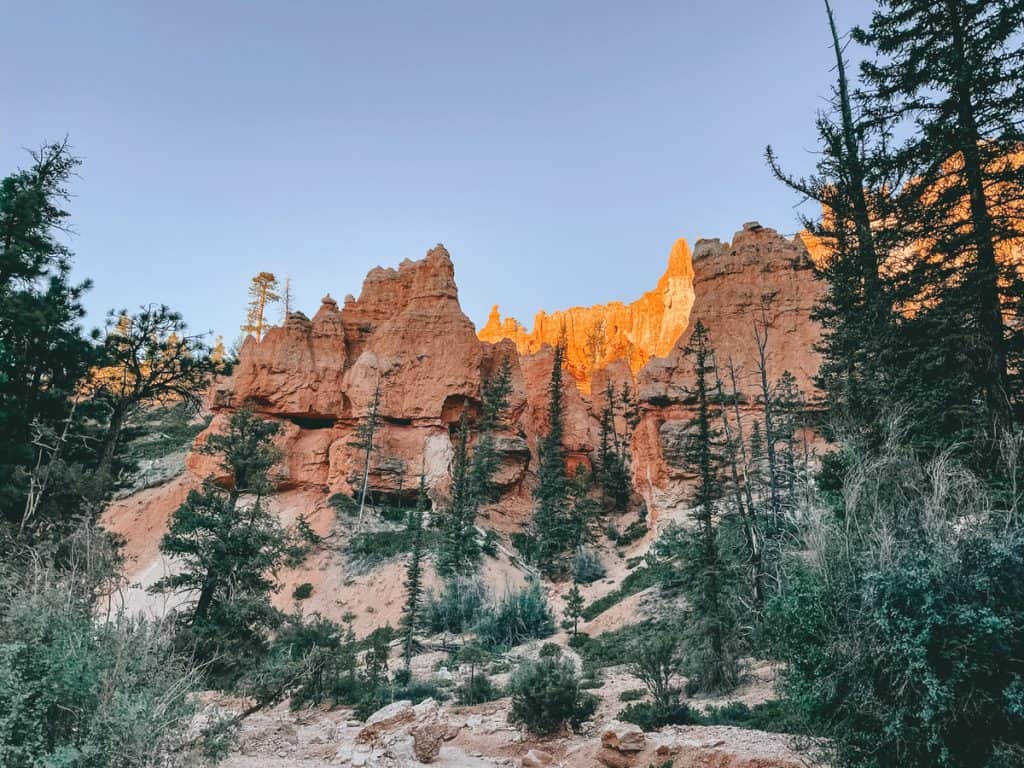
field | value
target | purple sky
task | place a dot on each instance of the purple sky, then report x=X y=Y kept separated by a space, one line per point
x=556 y=148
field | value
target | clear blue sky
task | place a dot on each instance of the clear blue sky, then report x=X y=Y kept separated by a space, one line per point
x=556 y=148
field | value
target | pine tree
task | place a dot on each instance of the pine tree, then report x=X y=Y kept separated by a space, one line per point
x=262 y=292
x=712 y=631
x=229 y=552
x=458 y=548
x=147 y=358
x=612 y=452
x=550 y=521
x=952 y=69
x=573 y=610
x=495 y=390
x=43 y=355
x=853 y=185
x=414 y=575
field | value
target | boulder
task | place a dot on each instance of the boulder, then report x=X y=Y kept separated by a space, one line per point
x=623 y=737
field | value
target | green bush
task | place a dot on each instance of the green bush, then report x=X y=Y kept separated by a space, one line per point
x=651 y=717
x=632 y=694
x=378 y=546
x=546 y=695
x=303 y=591
x=78 y=690
x=587 y=567
x=634 y=582
x=380 y=696
x=477 y=690
x=775 y=716
x=518 y=617
x=344 y=504
x=459 y=606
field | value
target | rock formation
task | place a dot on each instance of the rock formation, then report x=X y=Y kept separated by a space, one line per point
x=598 y=335
x=407 y=334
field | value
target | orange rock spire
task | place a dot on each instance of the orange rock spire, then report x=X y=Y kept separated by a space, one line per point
x=601 y=334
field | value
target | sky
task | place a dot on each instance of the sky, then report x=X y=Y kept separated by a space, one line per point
x=557 y=148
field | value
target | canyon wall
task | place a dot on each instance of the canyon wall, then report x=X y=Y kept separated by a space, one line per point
x=407 y=333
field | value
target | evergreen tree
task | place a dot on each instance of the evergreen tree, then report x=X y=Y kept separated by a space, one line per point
x=229 y=552
x=411 y=618
x=853 y=185
x=612 y=452
x=573 y=610
x=147 y=358
x=712 y=631
x=952 y=71
x=496 y=390
x=550 y=521
x=43 y=355
x=262 y=291
x=458 y=548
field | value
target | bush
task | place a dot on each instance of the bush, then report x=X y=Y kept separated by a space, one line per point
x=634 y=582
x=776 y=716
x=76 y=690
x=376 y=546
x=459 y=606
x=632 y=694
x=546 y=695
x=477 y=690
x=651 y=717
x=344 y=504
x=303 y=591
x=587 y=567
x=520 y=616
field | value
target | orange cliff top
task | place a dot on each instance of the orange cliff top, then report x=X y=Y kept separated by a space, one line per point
x=603 y=333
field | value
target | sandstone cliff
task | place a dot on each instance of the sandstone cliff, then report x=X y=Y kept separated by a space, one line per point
x=596 y=336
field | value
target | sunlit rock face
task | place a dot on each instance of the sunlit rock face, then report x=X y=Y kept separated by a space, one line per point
x=407 y=333
x=598 y=335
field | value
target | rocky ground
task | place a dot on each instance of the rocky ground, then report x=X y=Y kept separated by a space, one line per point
x=402 y=734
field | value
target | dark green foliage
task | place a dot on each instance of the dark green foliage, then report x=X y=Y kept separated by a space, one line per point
x=635 y=531
x=459 y=606
x=573 y=610
x=148 y=357
x=312 y=659
x=774 y=716
x=651 y=717
x=344 y=504
x=43 y=355
x=519 y=616
x=613 y=648
x=657 y=661
x=552 y=526
x=303 y=591
x=612 y=468
x=921 y=665
x=412 y=612
x=229 y=554
x=712 y=626
x=632 y=694
x=477 y=688
x=636 y=581
x=374 y=547
x=458 y=550
x=546 y=695
x=78 y=689
x=952 y=72
x=587 y=567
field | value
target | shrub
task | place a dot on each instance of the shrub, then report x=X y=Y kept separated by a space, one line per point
x=520 y=616
x=477 y=690
x=587 y=567
x=377 y=546
x=634 y=582
x=632 y=694
x=382 y=695
x=490 y=543
x=303 y=591
x=775 y=716
x=343 y=504
x=651 y=717
x=459 y=606
x=546 y=695
x=80 y=691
